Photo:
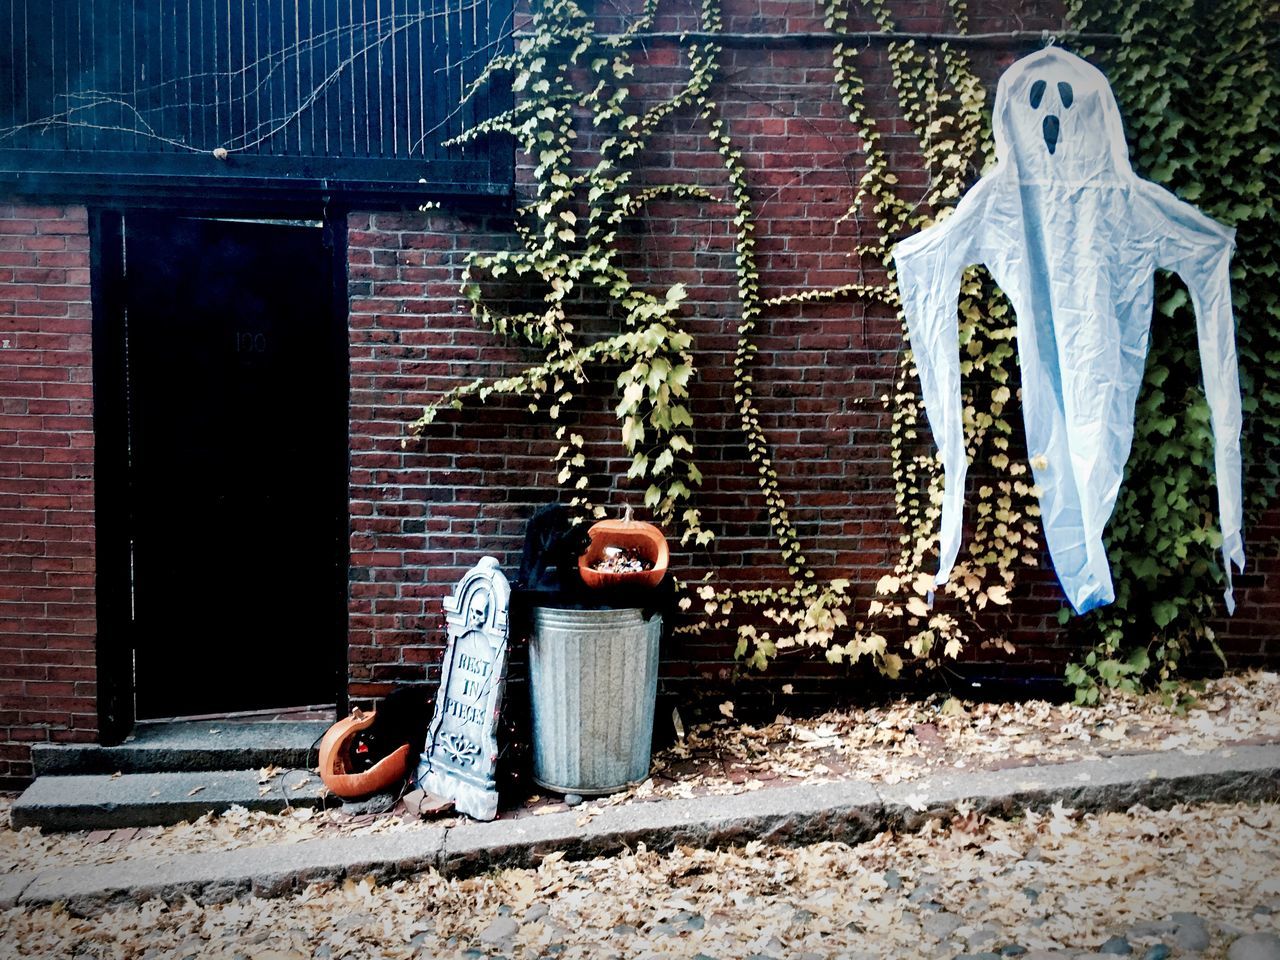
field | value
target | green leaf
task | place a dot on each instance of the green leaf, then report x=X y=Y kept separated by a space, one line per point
x=1164 y=612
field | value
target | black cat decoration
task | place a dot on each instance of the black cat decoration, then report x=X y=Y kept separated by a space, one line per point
x=552 y=545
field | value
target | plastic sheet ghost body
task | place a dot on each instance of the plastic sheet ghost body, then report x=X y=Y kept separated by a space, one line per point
x=1073 y=237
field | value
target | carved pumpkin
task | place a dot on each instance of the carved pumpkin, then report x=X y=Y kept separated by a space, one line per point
x=335 y=748
x=643 y=539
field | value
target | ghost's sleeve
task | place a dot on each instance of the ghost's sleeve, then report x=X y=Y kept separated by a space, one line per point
x=929 y=268
x=1199 y=249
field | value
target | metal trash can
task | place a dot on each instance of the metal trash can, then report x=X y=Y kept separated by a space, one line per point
x=593 y=680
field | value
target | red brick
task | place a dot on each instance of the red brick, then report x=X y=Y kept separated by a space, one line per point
x=42 y=656
x=420 y=517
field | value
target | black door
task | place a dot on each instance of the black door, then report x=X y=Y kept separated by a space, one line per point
x=236 y=435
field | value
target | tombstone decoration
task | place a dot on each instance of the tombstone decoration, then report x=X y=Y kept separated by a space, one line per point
x=461 y=752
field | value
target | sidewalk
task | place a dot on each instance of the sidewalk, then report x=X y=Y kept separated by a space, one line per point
x=848 y=810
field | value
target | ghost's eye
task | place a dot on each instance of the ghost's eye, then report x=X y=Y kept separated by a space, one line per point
x=1037 y=94
x=1066 y=93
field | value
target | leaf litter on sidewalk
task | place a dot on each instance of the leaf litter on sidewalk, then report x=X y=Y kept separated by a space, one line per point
x=1054 y=881
x=901 y=741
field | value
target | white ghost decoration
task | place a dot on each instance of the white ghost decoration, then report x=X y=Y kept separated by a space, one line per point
x=1073 y=237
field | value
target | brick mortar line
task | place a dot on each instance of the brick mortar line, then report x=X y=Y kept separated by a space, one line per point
x=852 y=811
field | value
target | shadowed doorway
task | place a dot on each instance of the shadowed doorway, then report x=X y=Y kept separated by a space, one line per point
x=223 y=440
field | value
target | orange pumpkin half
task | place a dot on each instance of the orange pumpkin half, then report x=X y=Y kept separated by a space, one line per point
x=335 y=747
x=644 y=539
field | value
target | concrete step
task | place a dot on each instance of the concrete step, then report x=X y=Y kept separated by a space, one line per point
x=99 y=801
x=170 y=746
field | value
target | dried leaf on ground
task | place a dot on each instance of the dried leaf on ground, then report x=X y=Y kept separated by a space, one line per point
x=898 y=742
x=1051 y=881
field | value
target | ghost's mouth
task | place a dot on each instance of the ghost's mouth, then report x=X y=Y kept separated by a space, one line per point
x=1051 y=130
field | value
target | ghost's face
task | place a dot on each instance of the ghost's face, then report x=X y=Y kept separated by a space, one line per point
x=1052 y=124
x=1056 y=118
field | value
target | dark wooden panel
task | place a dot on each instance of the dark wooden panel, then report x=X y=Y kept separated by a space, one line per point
x=236 y=465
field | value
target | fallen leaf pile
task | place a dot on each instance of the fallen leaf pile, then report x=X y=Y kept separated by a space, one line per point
x=1050 y=882
x=904 y=740
x=911 y=738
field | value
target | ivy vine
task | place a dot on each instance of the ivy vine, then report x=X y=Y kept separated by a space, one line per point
x=564 y=69
x=569 y=76
x=1198 y=84
x=942 y=98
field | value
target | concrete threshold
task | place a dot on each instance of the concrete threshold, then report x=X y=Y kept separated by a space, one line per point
x=194 y=745
x=849 y=811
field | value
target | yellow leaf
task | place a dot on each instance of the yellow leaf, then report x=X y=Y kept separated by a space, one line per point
x=918 y=607
x=998 y=595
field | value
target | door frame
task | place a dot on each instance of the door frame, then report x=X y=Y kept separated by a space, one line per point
x=113 y=497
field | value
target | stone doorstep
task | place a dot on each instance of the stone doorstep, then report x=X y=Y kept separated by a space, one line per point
x=850 y=811
x=155 y=799
x=170 y=746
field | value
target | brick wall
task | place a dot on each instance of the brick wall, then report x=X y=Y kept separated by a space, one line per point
x=46 y=483
x=418 y=520
x=422 y=515
x=1251 y=638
